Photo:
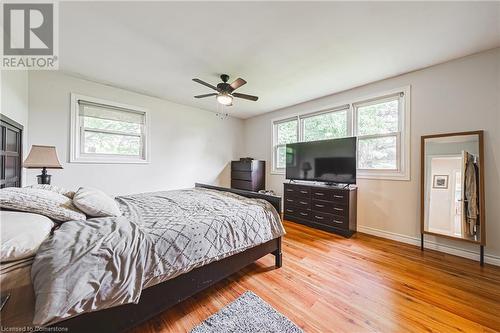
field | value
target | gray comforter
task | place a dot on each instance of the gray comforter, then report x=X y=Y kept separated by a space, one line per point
x=104 y=262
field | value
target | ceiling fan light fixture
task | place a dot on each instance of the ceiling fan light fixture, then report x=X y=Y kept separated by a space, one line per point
x=225 y=99
x=225 y=91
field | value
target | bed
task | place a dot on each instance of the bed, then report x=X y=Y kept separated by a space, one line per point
x=159 y=293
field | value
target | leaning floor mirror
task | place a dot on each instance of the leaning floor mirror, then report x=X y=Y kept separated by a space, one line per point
x=452 y=187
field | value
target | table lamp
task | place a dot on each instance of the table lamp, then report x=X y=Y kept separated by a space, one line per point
x=44 y=157
x=306 y=166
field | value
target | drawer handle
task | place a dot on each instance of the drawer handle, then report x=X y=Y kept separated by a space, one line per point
x=319 y=217
x=290 y=210
x=289 y=200
x=338 y=209
x=305 y=192
x=289 y=190
x=318 y=205
x=303 y=202
x=317 y=193
x=339 y=196
x=304 y=214
x=339 y=222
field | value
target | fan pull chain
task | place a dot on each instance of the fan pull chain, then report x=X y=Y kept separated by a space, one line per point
x=220 y=112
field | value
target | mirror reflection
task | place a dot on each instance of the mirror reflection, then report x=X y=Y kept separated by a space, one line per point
x=451 y=185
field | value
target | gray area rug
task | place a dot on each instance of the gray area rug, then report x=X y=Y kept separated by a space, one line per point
x=247 y=314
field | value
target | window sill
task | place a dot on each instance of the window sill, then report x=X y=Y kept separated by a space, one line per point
x=384 y=176
x=374 y=176
x=107 y=161
x=378 y=175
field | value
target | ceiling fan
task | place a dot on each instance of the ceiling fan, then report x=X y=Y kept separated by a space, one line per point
x=225 y=91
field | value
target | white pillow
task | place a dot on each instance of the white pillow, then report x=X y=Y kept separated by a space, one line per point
x=95 y=203
x=21 y=234
x=53 y=188
x=51 y=204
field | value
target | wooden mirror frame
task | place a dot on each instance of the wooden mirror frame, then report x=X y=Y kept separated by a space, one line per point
x=482 y=210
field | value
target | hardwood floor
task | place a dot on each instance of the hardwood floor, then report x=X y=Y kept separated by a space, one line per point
x=363 y=284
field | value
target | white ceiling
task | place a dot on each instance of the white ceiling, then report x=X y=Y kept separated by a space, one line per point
x=289 y=52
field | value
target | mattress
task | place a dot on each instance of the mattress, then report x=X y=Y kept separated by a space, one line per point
x=13 y=271
x=15 y=280
x=106 y=262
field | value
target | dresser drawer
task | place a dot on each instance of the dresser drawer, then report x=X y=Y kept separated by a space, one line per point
x=298 y=212
x=340 y=197
x=297 y=191
x=241 y=184
x=291 y=210
x=241 y=166
x=299 y=202
x=241 y=175
x=329 y=219
x=328 y=207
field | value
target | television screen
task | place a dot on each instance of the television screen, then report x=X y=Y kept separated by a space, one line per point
x=332 y=161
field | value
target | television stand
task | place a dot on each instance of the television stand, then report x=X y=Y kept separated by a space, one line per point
x=321 y=206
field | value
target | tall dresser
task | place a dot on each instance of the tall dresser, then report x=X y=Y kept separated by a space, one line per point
x=248 y=175
x=321 y=206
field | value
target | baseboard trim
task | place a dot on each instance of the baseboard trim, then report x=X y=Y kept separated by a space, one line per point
x=488 y=258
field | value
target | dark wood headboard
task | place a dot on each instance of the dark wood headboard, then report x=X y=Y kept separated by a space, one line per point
x=272 y=199
x=11 y=152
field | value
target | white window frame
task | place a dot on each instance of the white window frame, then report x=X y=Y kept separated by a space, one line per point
x=274 y=136
x=402 y=172
x=77 y=131
x=403 y=135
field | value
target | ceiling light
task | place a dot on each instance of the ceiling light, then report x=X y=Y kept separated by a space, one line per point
x=225 y=99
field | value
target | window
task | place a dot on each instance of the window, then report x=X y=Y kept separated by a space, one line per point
x=285 y=131
x=326 y=125
x=381 y=125
x=107 y=132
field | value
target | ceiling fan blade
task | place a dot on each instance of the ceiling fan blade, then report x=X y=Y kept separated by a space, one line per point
x=245 y=96
x=205 y=84
x=205 y=95
x=237 y=83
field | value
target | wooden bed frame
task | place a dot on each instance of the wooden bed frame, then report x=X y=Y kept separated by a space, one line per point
x=160 y=297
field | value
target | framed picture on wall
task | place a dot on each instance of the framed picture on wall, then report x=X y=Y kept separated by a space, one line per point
x=440 y=181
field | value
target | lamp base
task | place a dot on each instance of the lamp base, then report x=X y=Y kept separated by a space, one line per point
x=44 y=178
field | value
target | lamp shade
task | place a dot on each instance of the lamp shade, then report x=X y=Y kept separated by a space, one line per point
x=42 y=157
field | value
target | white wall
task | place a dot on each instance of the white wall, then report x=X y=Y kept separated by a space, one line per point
x=188 y=145
x=14 y=95
x=14 y=102
x=460 y=95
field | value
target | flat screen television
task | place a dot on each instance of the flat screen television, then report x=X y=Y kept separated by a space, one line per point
x=330 y=161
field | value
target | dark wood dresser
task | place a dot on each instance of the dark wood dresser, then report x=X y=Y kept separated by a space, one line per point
x=248 y=175
x=321 y=206
x=11 y=155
